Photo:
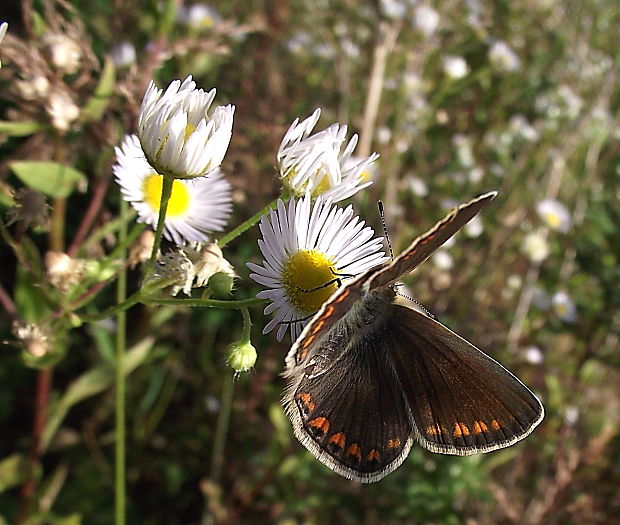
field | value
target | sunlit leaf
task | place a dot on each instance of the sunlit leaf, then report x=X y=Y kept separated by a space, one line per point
x=53 y=179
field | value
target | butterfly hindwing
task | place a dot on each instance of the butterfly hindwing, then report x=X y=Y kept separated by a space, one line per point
x=347 y=407
x=462 y=401
x=423 y=246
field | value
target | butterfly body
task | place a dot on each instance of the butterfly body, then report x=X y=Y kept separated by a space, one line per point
x=368 y=376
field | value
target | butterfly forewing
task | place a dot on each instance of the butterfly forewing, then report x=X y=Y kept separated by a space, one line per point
x=462 y=401
x=347 y=407
x=424 y=245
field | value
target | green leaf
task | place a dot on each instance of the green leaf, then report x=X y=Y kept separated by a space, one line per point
x=97 y=104
x=13 y=471
x=20 y=129
x=91 y=383
x=53 y=179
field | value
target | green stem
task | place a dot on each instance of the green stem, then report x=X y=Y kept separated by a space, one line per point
x=208 y=303
x=245 y=226
x=121 y=344
x=166 y=191
x=247 y=324
x=219 y=442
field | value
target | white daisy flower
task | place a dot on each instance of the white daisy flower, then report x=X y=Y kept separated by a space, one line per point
x=535 y=246
x=177 y=135
x=554 y=214
x=196 y=206
x=564 y=307
x=306 y=248
x=455 y=67
x=426 y=19
x=503 y=58
x=314 y=164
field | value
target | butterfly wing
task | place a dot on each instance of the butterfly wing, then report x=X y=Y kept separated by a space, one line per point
x=423 y=246
x=347 y=407
x=462 y=401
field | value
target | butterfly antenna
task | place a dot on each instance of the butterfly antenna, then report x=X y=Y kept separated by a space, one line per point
x=420 y=305
x=385 y=232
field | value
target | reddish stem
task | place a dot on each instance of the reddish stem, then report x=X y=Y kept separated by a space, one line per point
x=91 y=214
x=44 y=385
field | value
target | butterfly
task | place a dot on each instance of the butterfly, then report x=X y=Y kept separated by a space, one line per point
x=370 y=375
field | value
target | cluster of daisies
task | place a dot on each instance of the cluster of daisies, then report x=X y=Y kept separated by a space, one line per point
x=309 y=244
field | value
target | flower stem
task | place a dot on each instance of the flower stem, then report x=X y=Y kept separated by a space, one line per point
x=245 y=226
x=208 y=303
x=166 y=191
x=121 y=345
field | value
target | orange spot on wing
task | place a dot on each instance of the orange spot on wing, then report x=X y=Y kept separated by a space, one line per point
x=318 y=326
x=306 y=399
x=495 y=425
x=354 y=450
x=433 y=430
x=460 y=430
x=480 y=427
x=307 y=342
x=342 y=297
x=320 y=423
x=338 y=439
x=373 y=455
x=393 y=443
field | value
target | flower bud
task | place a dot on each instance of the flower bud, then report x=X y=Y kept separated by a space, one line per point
x=241 y=356
x=221 y=284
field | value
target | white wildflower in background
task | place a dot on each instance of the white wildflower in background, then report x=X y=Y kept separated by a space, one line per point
x=395 y=9
x=199 y=16
x=442 y=260
x=208 y=260
x=33 y=338
x=474 y=228
x=178 y=136
x=34 y=87
x=417 y=186
x=564 y=307
x=503 y=58
x=62 y=110
x=455 y=67
x=554 y=214
x=123 y=54
x=64 y=52
x=315 y=163
x=533 y=355
x=305 y=248
x=521 y=128
x=464 y=150
x=3 y=28
x=535 y=246
x=196 y=207
x=63 y=271
x=425 y=19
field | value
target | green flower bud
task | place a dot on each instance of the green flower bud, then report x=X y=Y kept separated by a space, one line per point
x=241 y=356
x=221 y=284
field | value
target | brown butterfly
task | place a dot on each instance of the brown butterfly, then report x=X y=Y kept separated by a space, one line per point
x=369 y=375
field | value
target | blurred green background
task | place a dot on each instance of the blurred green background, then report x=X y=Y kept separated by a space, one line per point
x=459 y=97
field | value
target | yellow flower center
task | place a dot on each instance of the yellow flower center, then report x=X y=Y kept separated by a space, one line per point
x=307 y=270
x=189 y=129
x=179 y=199
x=553 y=220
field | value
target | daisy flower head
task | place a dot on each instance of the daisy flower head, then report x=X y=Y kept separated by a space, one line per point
x=196 y=207
x=178 y=136
x=315 y=163
x=306 y=248
x=554 y=214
